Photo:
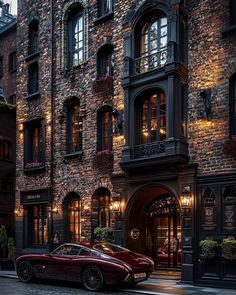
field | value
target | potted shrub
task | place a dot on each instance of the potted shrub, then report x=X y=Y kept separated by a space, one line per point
x=229 y=248
x=208 y=248
x=104 y=234
x=3 y=241
x=12 y=251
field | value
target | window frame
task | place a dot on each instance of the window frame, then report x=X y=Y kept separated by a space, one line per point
x=5 y=150
x=73 y=237
x=33 y=78
x=101 y=129
x=12 y=62
x=101 y=7
x=40 y=220
x=72 y=21
x=105 y=51
x=69 y=129
x=33 y=37
x=28 y=152
x=146 y=97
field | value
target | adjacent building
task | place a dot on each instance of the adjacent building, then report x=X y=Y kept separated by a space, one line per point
x=7 y=117
x=126 y=119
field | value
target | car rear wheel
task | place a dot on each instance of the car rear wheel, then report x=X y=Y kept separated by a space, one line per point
x=92 y=278
x=25 y=271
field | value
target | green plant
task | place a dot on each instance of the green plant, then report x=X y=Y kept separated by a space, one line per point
x=105 y=234
x=229 y=248
x=3 y=240
x=208 y=248
x=11 y=250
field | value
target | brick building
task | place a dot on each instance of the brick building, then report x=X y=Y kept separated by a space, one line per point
x=7 y=117
x=126 y=118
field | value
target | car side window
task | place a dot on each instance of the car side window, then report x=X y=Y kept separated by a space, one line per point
x=75 y=251
x=65 y=250
x=84 y=252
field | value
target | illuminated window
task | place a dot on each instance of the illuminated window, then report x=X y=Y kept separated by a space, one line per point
x=33 y=37
x=152 y=118
x=34 y=147
x=74 y=207
x=104 y=61
x=74 y=129
x=5 y=150
x=75 y=38
x=105 y=129
x=39 y=221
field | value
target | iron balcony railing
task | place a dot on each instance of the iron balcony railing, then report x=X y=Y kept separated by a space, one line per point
x=149 y=149
x=150 y=62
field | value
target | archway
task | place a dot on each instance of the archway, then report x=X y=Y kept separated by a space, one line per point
x=154 y=226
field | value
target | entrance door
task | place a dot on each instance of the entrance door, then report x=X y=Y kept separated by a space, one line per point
x=164 y=232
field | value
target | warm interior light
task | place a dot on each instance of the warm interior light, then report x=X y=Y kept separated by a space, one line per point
x=115 y=206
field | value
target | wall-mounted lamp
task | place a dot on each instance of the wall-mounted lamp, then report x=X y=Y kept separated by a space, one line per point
x=186 y=197
x=19 y=212
x=115 y=206
x=86 y=207
x=117 y=122
x=55 y=209
x=204 y=113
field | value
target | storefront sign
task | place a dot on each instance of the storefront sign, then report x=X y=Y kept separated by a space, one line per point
x=31 y=197
x=135 y=233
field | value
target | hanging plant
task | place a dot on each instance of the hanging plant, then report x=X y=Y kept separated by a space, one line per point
x=229 y=248
x=208 y=248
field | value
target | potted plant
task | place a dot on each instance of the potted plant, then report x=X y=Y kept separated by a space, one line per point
x=229 y=248
x=208 y=248
x=104 y=234
x=12 y=251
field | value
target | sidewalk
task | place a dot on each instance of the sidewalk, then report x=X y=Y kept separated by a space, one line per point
x=157 y=286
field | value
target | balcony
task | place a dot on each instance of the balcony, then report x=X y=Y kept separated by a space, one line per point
x=147 y=63
x=153 y=154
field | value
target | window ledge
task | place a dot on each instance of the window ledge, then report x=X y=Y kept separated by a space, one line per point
x=34 y=169
x=74 y=155
x=104 y=18
x=32 y=56
x=229 y=30
x=33 y=96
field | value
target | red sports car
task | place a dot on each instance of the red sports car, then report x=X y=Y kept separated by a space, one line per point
x=104 y=264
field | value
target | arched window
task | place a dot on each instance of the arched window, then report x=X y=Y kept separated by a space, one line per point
x=75 y=38
x=33 y=83
x=100 y=208
x=232 y=105
x=74 y=217
x=33 y=37
x=104 y=131
x=151 y=35
x=104 y=61
x=74 y=128
x=152 y=117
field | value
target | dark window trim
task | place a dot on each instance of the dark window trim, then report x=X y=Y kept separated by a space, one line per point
x=33 y=56
x=33 y=37
x=104 y=18
x=33 y=78
x=12 y=60
x=100 y=120
x=109 y=49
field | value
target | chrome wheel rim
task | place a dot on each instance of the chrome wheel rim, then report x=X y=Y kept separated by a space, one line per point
x=25 y=271
x=92 y=279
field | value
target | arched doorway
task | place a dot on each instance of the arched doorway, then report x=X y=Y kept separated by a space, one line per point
x=153 y=214
x=164 y=232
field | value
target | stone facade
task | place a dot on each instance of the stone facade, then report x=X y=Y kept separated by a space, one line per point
x=192 y=160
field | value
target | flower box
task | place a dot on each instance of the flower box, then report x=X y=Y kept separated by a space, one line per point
x=229 y=248
x=104 y=85
x=34 y=166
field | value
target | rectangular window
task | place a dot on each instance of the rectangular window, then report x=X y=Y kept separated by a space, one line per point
x=12 y=62
x=38 y=221
x=34 y=148
x=105 y=7
x=12 y=99
x=232 y=12
x=5 y=150
x=1 y=66
x=74 y=129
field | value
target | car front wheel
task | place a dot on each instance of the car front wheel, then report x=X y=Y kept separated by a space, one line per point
x=92 y=278
x=25 y=271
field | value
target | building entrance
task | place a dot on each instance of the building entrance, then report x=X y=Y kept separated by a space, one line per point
x=164 y=232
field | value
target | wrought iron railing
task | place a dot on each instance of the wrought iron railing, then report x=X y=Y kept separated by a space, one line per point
x=150 y=62
x=148 y=150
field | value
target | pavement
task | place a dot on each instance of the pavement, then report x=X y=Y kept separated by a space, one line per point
x=159 y=286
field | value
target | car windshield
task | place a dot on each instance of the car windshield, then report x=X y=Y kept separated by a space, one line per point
x=109 y=248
